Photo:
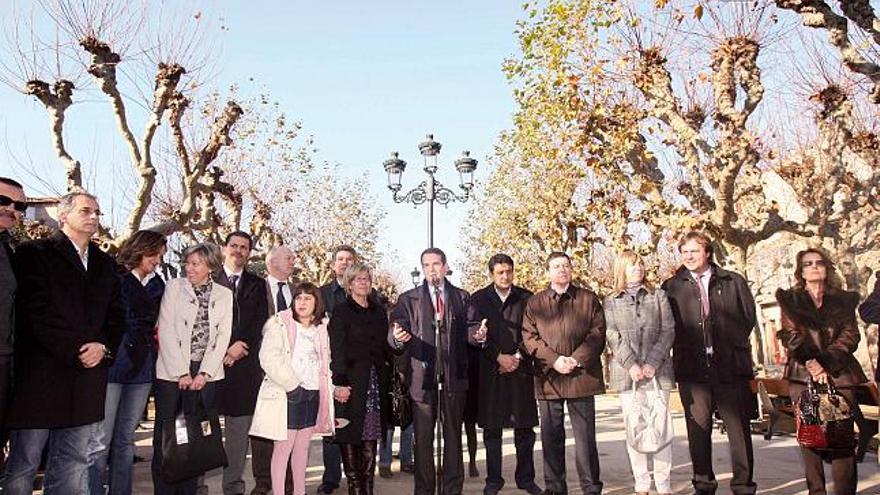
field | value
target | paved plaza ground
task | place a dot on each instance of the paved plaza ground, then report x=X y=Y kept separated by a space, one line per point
x=777 y=463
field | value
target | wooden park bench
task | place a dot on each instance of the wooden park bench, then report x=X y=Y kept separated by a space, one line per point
x=775 y=404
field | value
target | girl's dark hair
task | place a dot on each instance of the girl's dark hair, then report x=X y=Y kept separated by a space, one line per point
x=141 y=244
x=832 y=279
x=312 y=290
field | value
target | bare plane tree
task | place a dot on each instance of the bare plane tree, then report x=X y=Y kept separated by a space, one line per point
x=100 y=34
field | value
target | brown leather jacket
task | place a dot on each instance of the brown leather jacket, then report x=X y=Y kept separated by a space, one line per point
x=828 y=334
x=571 y=324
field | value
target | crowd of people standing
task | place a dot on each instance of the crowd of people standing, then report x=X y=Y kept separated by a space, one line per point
x=85 y=339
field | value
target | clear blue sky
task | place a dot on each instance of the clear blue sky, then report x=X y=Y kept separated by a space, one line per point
x=366 y=78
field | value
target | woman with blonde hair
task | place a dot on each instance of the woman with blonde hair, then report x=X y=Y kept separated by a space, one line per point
x=640 y=330
x=195 y=324
x=361 y=366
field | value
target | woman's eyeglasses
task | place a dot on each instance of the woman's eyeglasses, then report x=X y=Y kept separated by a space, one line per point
x=20 y=206
x=817 y=263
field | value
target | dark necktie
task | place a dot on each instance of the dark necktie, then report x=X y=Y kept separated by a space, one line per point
x=233 y=280
x=280 y=302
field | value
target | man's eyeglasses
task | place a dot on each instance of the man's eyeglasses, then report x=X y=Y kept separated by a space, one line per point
x=18 y=205
x=817 y=263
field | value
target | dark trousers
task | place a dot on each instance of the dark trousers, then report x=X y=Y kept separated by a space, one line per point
x=582 y=414
x=843 y=462
x=423 y=429
x=332 y=463
x=167 y=394
x=524 y=441
x=5 y=381
x=732 y=401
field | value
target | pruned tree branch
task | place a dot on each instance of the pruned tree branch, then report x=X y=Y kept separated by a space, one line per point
x=167 y=78
x=654 y=81
x=818 y=14
x=734 y=64
x=56 y=100
x=103 y=69
x=198 y=196
x=861 y=13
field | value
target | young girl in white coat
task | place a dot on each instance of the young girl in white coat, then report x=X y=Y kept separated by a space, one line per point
x=295 y=399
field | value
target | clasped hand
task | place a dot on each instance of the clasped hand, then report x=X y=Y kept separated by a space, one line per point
x=342 y=394
x=507 y=363
x=235 y=352
x=399 y=333
x=643 y=372
x=565 y=365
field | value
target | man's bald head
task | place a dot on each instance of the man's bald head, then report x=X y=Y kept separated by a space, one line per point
x=279 y=262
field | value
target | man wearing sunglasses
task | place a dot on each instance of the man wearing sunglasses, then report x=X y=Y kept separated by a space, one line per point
x=12 y=206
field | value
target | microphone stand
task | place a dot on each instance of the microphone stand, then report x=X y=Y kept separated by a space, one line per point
x=439 y=329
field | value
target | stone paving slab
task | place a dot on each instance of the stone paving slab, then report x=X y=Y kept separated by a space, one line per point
x=777 y=463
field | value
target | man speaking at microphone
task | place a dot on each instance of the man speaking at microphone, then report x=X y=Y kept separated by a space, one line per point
x=564 y=332
x=435 y=311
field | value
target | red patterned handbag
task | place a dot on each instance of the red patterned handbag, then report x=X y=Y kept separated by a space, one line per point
x=824 y=419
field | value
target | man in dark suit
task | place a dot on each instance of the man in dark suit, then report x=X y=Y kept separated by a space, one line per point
x=332 y=294
x=419 y=312
x=507 y=383
x=714 y=316
x=279 y=292
x=68 y=317
x=237 y=392
x=279 y=268
x=12 y=206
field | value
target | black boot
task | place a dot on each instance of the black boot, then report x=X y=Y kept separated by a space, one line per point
x=351 y=464
x=368 y=465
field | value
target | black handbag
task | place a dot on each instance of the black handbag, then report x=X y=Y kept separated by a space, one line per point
x=192 y=443
x=401 y=403
x=824 y=419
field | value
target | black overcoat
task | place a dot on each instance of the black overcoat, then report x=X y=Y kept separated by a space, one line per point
x=357 y=343
x=414 y=312
x=237 y=392
x=506 y=400
x=59 y=307
x=732 y=313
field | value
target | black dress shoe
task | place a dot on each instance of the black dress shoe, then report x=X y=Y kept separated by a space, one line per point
x=408 y=468
x=385 y=472
x=327 y=488
x=551 y=492
x=532 y=489
x=473 y=472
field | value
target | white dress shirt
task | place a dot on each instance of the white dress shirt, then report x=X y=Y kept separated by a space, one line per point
x=82 y=254
x=229 y=273
x=285 y=289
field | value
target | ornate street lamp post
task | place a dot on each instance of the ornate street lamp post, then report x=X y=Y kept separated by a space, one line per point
x=431 y=190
